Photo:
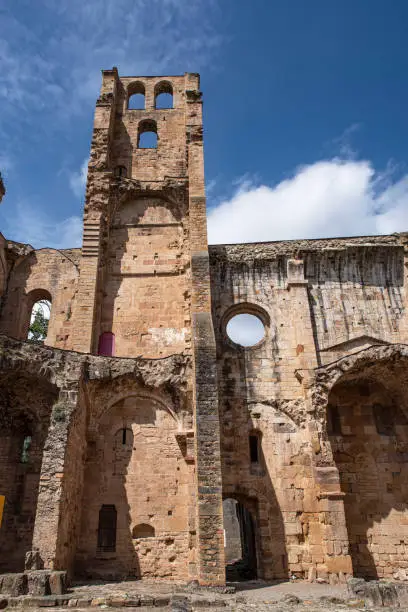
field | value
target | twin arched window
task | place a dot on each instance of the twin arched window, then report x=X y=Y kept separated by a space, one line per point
x=163 y=95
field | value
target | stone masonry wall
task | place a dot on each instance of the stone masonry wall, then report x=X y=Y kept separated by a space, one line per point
x=262 y=393
x=370 y=445
x=41 y=274
x=135 y=463
x=164 y=430
x=73 y=406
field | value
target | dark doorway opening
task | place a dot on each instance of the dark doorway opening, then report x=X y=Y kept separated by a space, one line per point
x=239 y=542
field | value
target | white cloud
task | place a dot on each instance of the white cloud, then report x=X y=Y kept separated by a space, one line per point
x=77 y=180
x=328 y=198
x=31 y=226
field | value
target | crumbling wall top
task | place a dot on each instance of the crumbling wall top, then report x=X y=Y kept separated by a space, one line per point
x=296 y=248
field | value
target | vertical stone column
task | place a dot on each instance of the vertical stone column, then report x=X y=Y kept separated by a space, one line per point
x=332 y=521
x=211 y=563
x=51 y=509
x=96 y=207
x=329 y=539
x=301 y=320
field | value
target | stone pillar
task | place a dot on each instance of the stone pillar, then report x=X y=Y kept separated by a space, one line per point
x=85 y=337
x=210 y=541
x=301 y=320
x=328 y=541
x=51 y=510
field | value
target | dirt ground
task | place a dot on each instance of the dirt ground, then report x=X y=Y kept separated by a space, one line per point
x=255 y=595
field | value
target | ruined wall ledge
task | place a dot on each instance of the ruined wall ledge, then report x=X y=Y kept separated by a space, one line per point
x=62 y=367
x=295 y=248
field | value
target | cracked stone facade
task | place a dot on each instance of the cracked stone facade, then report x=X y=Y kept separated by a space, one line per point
x=123 y=436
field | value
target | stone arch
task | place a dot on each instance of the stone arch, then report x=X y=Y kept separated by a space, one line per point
x=146 y=210
x=115 y=474
x=143 y=530
x=370 y=456
x=164 y=88
x=148 y=252
x=241 y=535
x=32 y=298
x=137 y=89
x=144 y=395
x=147 y=127
x=368 y=363
x=26 y=402
x=44 y=272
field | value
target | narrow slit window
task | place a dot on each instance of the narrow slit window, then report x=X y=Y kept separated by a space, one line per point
x=106 y=344
x=25 y=451
x=254 y=448
x=333 y=420
x=107 y=529
x=384 y=420
x=120 y=171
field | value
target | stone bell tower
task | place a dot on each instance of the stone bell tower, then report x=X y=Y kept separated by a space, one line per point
x=144 y=288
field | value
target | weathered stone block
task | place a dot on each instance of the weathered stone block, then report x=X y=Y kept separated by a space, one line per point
x=58 y=582
x=13 y=584
x=38 y=582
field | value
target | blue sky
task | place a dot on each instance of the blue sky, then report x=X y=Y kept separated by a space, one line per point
x=306 y=130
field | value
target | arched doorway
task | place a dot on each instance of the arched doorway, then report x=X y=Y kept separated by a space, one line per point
x=26 y=403
x=368 y=432
x=239 y=541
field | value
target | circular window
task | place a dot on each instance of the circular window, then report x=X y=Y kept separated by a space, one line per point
x=245 y=329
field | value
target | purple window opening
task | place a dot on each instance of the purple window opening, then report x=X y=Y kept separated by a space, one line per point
x=106 y=344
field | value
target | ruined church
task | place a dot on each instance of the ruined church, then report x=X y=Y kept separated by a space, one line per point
x=139 y=439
